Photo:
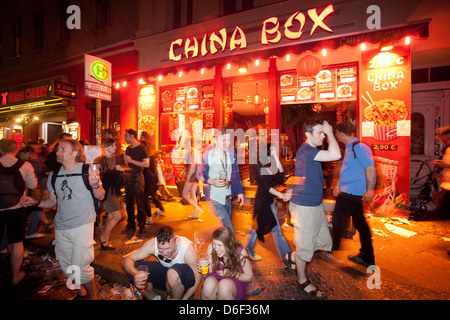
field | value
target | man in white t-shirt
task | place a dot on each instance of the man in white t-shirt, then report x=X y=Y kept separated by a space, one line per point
x=175 y=271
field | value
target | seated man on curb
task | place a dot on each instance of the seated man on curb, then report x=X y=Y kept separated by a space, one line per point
x=175 y=271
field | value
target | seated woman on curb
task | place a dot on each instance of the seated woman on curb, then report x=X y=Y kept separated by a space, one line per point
x=230 y=271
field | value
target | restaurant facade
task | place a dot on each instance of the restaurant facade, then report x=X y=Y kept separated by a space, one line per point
x=180 y=68
x=269 y=69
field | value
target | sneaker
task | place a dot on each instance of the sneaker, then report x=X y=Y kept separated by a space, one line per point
x=149 y=221
x=34 y=236
x=357 y=259
x=159 y=212
x=256 y=258
x=157 y=297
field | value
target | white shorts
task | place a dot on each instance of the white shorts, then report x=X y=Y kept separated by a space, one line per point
x=74 y=248
x=311 y=231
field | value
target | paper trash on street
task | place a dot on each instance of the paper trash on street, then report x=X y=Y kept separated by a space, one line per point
x=400 y=231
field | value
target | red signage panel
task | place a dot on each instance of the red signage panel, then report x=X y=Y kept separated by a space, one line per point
x=385 y=110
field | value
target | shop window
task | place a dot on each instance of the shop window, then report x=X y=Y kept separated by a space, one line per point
x=247 y=105
x=103 y=13
x=182 y=13
x=417 y=133
x=64 y=33
x=17 y=39
x=233 y=6
x=38 y=23
x=440 y=74
x=419 y=75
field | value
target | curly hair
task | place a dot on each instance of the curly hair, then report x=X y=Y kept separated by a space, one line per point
x=232 y=245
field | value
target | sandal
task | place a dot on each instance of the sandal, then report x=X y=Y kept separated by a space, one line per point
x=289 y=263
x=314 y=294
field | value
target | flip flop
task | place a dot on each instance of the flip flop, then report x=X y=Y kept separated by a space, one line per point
x=289 y=263
x=314 y=295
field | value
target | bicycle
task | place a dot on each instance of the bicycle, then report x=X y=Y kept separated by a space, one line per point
x=425 y=180
x=425 y=177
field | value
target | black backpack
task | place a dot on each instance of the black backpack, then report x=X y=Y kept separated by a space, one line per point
x=98 y=204
x=12 y=185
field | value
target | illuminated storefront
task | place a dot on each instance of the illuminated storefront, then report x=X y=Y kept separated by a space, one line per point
x=275 y=67
x=35 y=110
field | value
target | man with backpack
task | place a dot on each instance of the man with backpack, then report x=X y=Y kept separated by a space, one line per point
x=74 y=191
x=357 y=183
x=16 y=176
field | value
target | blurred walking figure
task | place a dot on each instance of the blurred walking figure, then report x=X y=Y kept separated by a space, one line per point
x=136 y=157
x=113 y=178
x=311 y=231
x=193 y=163
x=357 y=182
x=162 y=186
x=268 y=176
x=220 y=170
x=16 y=177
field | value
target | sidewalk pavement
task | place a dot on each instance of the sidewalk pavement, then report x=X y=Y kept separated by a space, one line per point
x=411 y=266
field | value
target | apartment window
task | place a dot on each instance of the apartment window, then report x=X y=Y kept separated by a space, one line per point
x=418 y=134
x=103 y=13
x=38 y=23
x=17 y=39
x=64 y=32
x=182 y=12
x=233 y=6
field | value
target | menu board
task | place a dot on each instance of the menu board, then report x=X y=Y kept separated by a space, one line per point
x=385 y=109
x=186 y=98
x=332 y=83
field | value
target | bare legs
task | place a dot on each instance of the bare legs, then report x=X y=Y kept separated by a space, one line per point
x=190 y=194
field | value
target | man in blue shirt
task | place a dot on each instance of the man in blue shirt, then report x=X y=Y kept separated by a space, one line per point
x=356 y=184
x=311 y=231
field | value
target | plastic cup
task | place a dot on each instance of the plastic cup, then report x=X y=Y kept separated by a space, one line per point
x=204 y=263
x=223 y=175
x=142 y=275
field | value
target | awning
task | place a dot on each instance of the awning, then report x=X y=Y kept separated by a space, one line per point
x=418 y=29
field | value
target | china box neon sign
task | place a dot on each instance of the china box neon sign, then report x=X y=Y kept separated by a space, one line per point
x=270 y=33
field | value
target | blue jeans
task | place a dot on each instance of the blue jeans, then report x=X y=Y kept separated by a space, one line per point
x=33 y=224
x=278 y=238
x=222 y=211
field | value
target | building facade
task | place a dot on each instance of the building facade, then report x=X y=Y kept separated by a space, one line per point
x=176 y=65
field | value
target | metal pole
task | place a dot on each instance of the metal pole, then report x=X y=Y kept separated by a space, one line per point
x=98 y=120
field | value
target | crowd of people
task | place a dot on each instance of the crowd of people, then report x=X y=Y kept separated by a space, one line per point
x=57 y=176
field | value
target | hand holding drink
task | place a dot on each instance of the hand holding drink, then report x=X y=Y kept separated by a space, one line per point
x=204 y=263
x=141 y=278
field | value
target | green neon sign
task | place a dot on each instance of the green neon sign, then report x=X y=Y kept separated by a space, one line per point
x=99 y=70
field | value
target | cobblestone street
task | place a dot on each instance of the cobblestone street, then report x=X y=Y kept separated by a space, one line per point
x=401 y=279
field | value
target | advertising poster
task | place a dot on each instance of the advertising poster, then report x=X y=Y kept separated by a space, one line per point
x=385 y=112
x=147 y=112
